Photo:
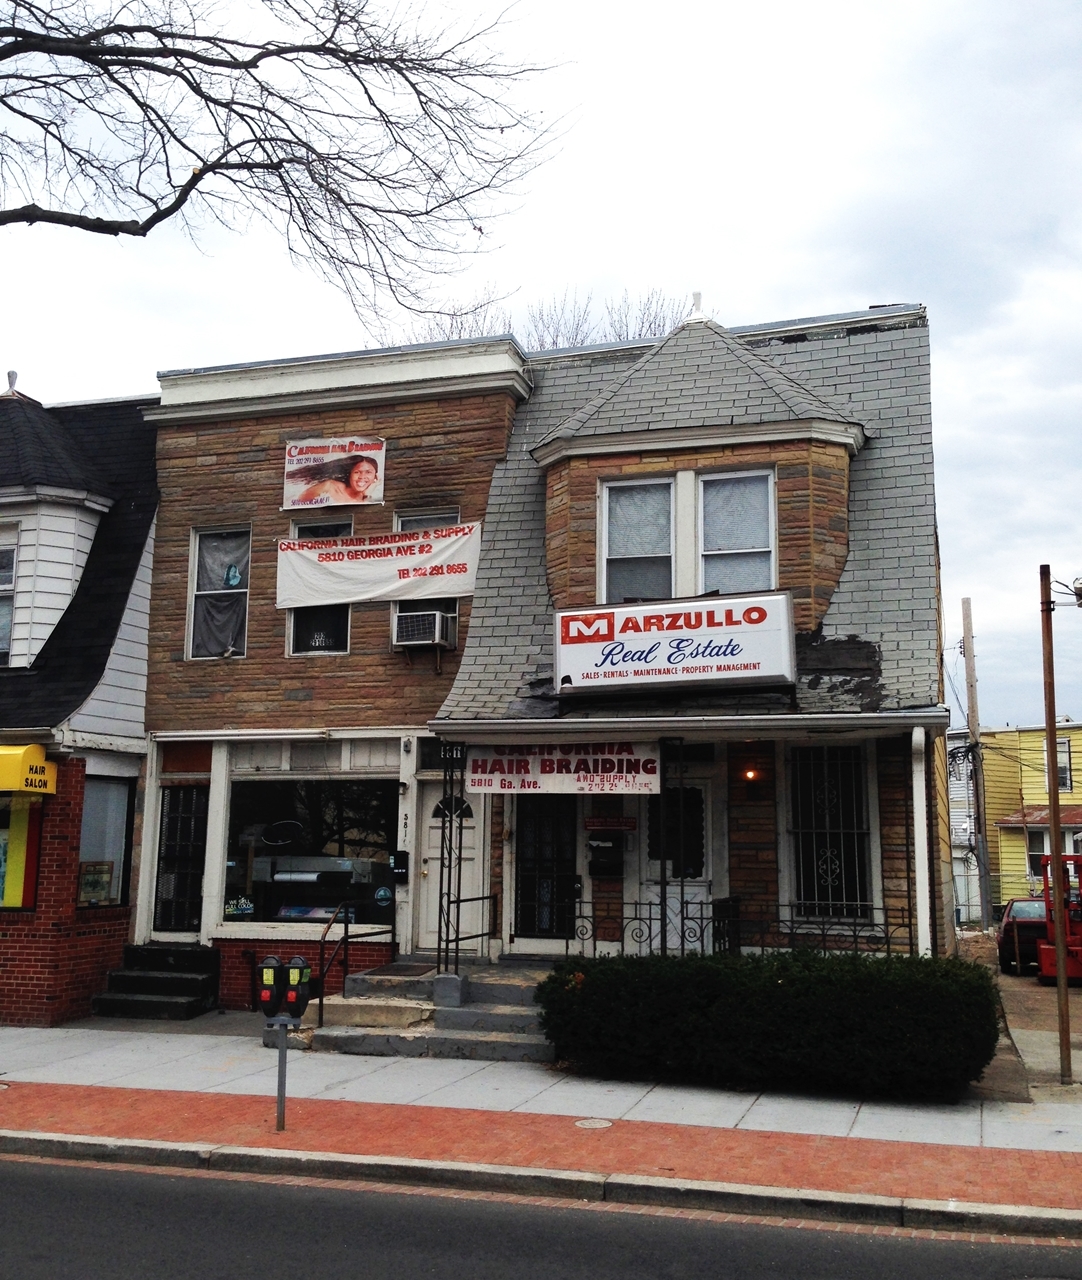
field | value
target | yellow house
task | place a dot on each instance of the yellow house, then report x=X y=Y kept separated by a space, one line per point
x=1016 y=798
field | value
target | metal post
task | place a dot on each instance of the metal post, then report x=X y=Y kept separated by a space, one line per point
x=973 y=720
x=663 y=852
x=1059 y=906
x=283 y=1049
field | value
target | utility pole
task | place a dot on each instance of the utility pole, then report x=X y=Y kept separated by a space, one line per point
x=1058 y=904
x=973 y=720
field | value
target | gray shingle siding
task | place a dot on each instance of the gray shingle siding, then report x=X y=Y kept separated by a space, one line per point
x=888 y=589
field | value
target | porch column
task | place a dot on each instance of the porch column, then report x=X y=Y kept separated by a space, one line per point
x=920 y=846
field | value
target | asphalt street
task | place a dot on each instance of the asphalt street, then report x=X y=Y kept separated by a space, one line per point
x=62 y=1221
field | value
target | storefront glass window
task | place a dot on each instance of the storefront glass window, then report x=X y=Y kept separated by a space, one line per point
x=299 y=849
x=105 y=843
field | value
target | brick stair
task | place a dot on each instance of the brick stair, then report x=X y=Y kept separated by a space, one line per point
x=498 y=1023
x=161 y=982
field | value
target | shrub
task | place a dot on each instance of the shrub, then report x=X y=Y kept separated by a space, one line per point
x=798 y=1021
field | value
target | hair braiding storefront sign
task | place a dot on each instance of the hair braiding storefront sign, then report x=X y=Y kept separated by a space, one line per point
x=742 y=639
x=566 y=768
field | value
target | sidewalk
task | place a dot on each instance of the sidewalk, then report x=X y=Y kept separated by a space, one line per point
x=215 y=1090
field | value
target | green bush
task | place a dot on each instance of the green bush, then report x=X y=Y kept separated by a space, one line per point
x=795 y=1021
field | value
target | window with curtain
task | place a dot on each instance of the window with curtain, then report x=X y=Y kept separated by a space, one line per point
x=737 y=533
x=220 y=605
x=638 y=542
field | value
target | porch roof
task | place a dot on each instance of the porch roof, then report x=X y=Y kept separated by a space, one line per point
x=1036 y=815
x=693 y=728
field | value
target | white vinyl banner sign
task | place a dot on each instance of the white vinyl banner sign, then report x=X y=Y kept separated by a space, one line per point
x=567 y=768
x=343 y=472
x=744 y=639
x=414 y=565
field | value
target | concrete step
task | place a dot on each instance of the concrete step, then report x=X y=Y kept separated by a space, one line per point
x=519 y=1019
x=149 y=982
x=386 y=984
x=129 y=1004
x=503 y=987
x=493 y=1046
x=369 y=1011
x=179 y=959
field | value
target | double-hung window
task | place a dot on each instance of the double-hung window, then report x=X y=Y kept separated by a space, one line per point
x=688 y=536
x=320 y=628
x=638 y=541
x=1063 y=764
x=7 y=593
x=736 y=514
x=220 y=599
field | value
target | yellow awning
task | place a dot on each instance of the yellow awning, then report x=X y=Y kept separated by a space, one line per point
x=25 y=769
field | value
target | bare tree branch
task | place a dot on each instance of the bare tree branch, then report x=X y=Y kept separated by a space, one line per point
x=378 y=146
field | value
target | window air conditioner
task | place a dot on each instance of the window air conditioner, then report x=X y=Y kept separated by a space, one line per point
x=437 y=629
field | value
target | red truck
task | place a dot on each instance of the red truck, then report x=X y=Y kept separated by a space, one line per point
x=1046 y=947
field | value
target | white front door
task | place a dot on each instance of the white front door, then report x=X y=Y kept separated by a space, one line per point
x=687 y=905
x=472 y=913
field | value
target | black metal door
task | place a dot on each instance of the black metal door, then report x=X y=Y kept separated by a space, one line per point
x=182 y=851
x=546 y=885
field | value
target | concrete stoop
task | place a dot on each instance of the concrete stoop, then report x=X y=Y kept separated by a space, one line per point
x=490 y=1016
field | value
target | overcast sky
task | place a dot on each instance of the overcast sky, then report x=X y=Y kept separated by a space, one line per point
x=785 y=159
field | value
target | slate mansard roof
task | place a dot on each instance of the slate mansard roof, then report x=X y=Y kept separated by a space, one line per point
x=878 y=645
x=71 y=662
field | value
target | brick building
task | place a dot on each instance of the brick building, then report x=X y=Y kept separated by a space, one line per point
x=77 y=502
x=686 y=694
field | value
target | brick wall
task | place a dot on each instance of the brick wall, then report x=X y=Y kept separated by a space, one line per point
x=753 y=827
x=238 y=956
x=812 y=507
x=55 y=958
x=439 y=453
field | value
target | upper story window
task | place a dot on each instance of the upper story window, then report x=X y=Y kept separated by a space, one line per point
x=737 y=535
x=1063 y=761
x=7 y=592
x=688 y=535
x=322 y=628
x=638 y=541
x=436 y=518
x=219 y=617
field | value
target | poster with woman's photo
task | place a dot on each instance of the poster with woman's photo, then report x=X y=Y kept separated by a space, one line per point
x=343 y=472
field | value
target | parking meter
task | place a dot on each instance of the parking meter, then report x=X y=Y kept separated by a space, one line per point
x=298 y=975
x=272 y=984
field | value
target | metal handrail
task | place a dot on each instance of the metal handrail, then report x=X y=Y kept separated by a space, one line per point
x=343 y=945
x=458 y=903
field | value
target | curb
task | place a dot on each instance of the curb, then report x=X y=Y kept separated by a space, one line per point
x=570 y=1184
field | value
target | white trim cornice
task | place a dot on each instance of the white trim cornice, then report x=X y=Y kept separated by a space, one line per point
x=367 y=377
x=17 y=495
x=849 y=434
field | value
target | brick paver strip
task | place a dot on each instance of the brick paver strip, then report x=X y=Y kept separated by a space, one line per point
x=861 y=1166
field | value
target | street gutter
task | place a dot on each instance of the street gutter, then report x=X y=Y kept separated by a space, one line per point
x=615 y=1188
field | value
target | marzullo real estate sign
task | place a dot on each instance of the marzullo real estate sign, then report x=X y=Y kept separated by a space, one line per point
x=740 y=640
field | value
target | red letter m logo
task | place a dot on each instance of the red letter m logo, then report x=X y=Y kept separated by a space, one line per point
x=586 y=628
